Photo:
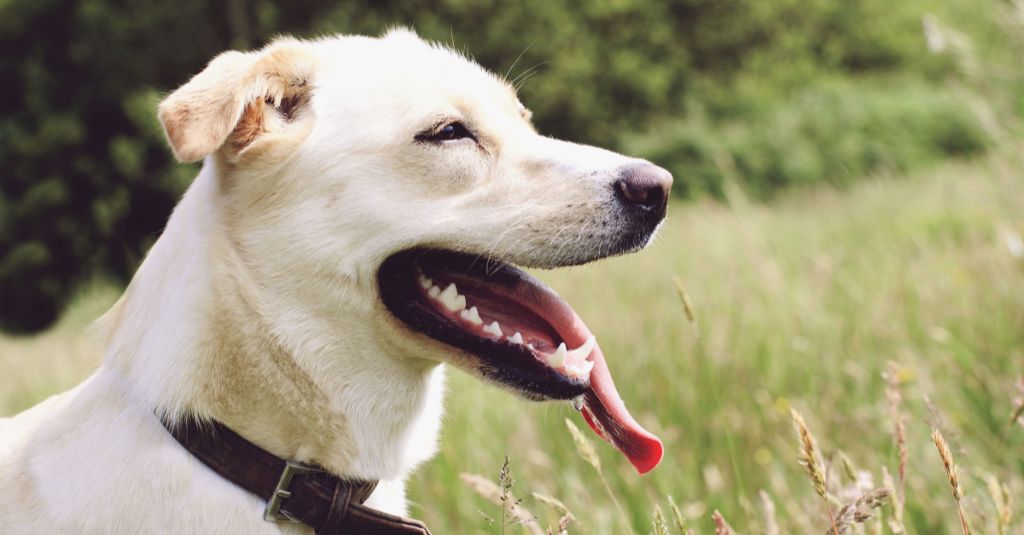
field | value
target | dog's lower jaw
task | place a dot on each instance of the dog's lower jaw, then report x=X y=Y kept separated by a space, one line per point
x=210 y=348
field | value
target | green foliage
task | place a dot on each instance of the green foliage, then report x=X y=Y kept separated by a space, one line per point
x=87 y=182
x=780 y=93
x=833 y=131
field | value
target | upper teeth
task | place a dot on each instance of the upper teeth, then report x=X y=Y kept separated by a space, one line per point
x=581 y=353
x=451 y=299
x=557 y=359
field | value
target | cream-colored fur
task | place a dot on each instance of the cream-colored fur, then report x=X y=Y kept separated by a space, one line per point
x=258 y=305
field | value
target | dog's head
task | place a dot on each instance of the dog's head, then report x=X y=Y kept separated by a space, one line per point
x=397 y=183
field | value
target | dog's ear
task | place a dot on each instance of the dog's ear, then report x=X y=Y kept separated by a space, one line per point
x=236 y=99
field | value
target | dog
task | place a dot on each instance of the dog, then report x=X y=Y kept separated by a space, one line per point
x=359 y=221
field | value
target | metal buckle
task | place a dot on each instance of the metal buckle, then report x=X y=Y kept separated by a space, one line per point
x=273 y=512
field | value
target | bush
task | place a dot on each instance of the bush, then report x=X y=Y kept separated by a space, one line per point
x=87 y=181
x=833 y=131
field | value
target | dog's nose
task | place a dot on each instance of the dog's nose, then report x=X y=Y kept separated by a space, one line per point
x=645 y=187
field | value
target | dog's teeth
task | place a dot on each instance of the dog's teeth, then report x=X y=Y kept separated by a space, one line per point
x=581 y=353
x=450 y=292
x=471 y=315
x=425 y=282
x=516 y=338
x=584 y=369
x=574 y=362
x=451 y=299
x=434 y=291
x=557 y=359
x=493 y=328
x=457 y=304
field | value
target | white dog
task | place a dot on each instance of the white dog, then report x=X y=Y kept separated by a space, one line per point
x=356 y=222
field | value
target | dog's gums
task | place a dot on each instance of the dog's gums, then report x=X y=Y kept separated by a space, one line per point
x=518 y=333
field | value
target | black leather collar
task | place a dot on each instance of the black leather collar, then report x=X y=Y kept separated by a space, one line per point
x=294 y=492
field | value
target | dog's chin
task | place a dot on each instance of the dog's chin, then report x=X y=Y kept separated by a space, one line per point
x=516 y=332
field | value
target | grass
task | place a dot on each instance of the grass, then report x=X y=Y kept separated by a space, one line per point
x=880 y=313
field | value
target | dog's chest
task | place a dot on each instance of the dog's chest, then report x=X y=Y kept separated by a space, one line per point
x=422 y=442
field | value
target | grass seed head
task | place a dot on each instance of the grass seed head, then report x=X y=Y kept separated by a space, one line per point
x=721 y=526
x=554 y=503
x=677 y=516
x=948 y=463
x=505 y=478
x=512 y=510
x=1001 y=497
x=1018 y=403
x=584 y=446
x=1017 y=411
x=809 y=454
x=483 y=486
x=563 y=524
x=771 y=523
x=859 y=511
x=660 y=525
x=896 y=522
x=953 y=472
x=685 y=298
x=848 y=467
x=899 y=429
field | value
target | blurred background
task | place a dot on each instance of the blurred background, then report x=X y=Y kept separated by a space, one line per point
x=848 y=205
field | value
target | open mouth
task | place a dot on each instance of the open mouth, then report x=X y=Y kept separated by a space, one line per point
x=519 y=333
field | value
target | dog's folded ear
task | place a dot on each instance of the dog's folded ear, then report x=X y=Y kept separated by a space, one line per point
x=237 y=99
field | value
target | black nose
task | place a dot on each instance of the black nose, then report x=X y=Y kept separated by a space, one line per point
x=644 y=188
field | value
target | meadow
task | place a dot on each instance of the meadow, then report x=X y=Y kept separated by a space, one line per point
x=897 y=301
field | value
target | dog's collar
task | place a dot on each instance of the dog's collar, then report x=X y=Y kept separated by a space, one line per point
x=294 y=492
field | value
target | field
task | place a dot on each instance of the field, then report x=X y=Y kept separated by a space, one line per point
x=803 y=303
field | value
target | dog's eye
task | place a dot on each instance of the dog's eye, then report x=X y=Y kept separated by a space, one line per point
x=453 y=131
x=450 y=132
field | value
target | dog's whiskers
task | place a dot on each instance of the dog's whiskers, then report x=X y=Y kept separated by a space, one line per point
x=524 y=76
x=519 y=57
x=492 y=249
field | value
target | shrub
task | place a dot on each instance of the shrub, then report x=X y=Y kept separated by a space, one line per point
x=832 y=131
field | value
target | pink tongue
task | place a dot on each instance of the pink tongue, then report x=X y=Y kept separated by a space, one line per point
x=602 y=407
x=604 y=410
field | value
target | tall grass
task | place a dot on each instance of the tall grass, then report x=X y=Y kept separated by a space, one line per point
x=953 y=473
x=802 y=303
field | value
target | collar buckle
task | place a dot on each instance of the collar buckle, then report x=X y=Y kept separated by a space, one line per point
x=273 y=512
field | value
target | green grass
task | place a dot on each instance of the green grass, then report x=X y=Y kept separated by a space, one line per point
x=800 y=303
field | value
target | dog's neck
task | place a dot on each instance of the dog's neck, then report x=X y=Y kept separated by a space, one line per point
x=194 y=335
